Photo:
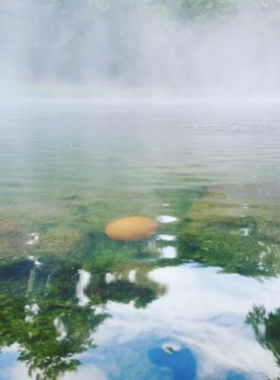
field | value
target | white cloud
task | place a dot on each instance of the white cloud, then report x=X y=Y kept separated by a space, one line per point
x=16 y=372
x=206 y=312
x=85 y=373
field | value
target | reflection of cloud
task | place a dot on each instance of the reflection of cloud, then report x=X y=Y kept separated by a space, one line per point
x=60 y=328
x=32 y=311
x=205 y=311
x=83 y=282
x=166 y=219
x=15 y=372
x=34 y=239
x=20 y=371
x=85 y=373
x=168 y=252
x=10 y=349
x=132 y=276
x=110 y=277
x=166 y=237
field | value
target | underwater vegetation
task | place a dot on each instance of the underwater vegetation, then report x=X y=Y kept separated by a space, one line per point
x=59 y=270
x=55 y=282
x=13 y=240
x=236 y=228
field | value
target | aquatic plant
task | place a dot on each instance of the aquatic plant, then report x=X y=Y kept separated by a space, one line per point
x=229 y=229
x=13 y=238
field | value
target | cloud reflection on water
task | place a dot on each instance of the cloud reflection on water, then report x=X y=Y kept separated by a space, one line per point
x=203 y=310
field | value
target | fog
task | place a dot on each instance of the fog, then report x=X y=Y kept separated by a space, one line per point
x=125 y=47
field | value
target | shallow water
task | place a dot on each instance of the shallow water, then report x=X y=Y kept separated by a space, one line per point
x=199 y=300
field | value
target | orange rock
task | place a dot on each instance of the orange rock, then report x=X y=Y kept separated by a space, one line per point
x=131 y=228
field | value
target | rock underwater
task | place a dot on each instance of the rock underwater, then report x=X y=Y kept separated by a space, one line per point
x=131 y=228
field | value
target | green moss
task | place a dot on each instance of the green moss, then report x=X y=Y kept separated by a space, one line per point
x=13 y=238
x=63 y=241
x=235 y=228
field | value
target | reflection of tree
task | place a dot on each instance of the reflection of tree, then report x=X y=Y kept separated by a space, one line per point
x=44 y=350
x=266 y=327
x=28 y=320
x=40 y=311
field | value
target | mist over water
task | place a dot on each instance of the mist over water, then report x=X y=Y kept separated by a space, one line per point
x=148 y=47
x=154 y=108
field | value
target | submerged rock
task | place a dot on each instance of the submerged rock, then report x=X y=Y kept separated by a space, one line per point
x=131 y=228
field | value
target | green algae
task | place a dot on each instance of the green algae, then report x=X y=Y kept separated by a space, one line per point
x=13 y=238
x=74 y=223
x=63 y=241
x=235 y=228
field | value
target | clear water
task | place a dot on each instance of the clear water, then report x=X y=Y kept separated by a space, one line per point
x=199 y=300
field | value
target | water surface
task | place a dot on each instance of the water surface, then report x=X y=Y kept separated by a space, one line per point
x=199 y=300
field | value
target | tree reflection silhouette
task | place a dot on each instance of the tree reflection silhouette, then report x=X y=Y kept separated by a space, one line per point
x=44 y=318
x=266 y=326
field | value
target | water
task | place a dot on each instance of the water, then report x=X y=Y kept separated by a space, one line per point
x=197 y=301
